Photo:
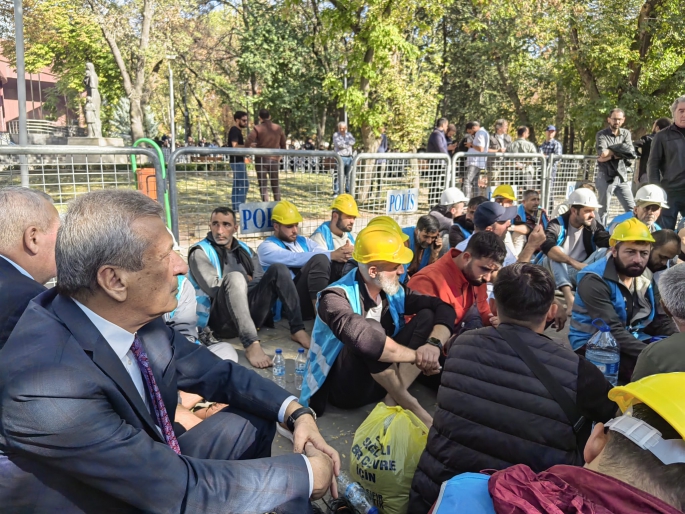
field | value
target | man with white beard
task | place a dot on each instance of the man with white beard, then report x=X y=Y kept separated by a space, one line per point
x=362 y=350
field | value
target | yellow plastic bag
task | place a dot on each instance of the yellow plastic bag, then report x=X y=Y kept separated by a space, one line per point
x=385 y=452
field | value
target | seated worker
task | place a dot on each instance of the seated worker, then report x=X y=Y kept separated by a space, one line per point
x=231 y=286
x=564 y=206
x=362 y=350
x=493 y=410
x=463 y=225
x=424 y=242
x=634 y=463
x=451 y=205
x=528 y=215
x=336 y=233
x=387 y=222
x=649 y=201
x=667 y=355
x=101 y=371
x=29 y=224
x=665 y=249
x=309 y=263
x=504 y=195
x=460 y=278
x=572 y=239
x=618 y=289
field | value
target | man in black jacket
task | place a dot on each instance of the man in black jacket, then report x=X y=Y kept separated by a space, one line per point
x=28 y=230
x=463 y=225
x=572 y=241
x=667 y=163
x=643 y=147
x=493 y=411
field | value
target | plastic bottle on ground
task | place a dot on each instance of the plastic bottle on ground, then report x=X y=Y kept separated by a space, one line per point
x=300 y=366
x=603 y=351
x=355 y=494
x=279 y=368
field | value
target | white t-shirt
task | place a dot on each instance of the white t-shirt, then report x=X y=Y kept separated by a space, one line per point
x=481 y=138
x=573 y=246
x=338 y=241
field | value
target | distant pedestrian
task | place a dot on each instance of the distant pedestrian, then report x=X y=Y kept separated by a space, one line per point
x=551 y=147
x=437 y=142
x=267 y=135
x=343 y=145
x=474 y=165
x=500 y=139
x=643 y=146
x=236 y=140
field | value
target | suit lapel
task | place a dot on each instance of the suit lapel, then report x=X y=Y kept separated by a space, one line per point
x=103 y=356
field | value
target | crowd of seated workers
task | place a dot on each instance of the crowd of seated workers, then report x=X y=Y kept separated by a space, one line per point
x=120 y=393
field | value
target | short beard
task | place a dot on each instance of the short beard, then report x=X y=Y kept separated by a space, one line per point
x=390 y=286
x=632 y=272
x=343 y=228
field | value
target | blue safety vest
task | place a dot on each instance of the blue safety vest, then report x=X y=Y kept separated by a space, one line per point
x=181 y=281
x=301 y=241
x=465 y=493
x=521 y=211
x=626 y=216
x=412 y=245
x=326 y=347
x=581 y=322
x=204 y=302
x=466 y=233
x=325 y=230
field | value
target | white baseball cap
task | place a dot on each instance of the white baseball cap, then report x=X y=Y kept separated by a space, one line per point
x=651 y=195
x=452 y=195
x=584 y=197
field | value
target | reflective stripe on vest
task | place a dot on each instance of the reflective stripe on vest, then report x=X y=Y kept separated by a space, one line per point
x=581 y=327
x=325 y=347
x=325 y=230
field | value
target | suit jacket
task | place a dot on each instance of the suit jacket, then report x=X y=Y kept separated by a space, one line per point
x=77 y=436
x=16 y=291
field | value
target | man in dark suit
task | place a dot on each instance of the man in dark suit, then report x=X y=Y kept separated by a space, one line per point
x=28 y=229
x=89 y=380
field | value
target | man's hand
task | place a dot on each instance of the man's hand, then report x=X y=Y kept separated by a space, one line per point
x=323 y=471
x=340 y=255
x=577 y=264
x=307 y=433
x=494 y=321
x=561 y=316
x=427 y=359
x=537 y=236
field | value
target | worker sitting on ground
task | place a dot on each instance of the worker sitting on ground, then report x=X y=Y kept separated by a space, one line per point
x=649 y=201
x=634 y=463
x=572 y=239
x=451 y=205
x=463 y=225
x=528 y=215
x=618 y=290
x=336 y=233
x=234 y=292
x=424 y=242
x=362 y=350
x=505 y=196
x=309 y=263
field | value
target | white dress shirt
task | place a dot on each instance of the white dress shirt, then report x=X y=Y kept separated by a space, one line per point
x=19 y=268
x=120 y=341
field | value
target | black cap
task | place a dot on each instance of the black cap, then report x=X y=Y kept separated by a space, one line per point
x=489 y=213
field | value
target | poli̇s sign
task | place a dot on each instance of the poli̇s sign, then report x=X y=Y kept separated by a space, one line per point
x=256 y=217
x=402 y=201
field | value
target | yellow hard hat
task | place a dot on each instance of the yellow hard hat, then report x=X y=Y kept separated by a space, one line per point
x=286 y=213
x=662 y=393
x=505 y=191
x=387 y=221
x=345 y=203
x=631 y=230
x=379 y=243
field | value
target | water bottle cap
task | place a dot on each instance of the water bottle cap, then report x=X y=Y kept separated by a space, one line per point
x=300 y=350
x=278 y=350
x=373 y=510
x=600 y=324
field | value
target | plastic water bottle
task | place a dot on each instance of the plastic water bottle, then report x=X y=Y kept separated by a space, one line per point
x=355 y=494
x=603 y=351
x=300 y=366
x=279 y=368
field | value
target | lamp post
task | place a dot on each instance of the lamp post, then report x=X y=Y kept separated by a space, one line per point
x=171 y=103
x=21 y=87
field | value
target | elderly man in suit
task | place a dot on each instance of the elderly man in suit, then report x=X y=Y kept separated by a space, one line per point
x=28 y=229
x=89 y=381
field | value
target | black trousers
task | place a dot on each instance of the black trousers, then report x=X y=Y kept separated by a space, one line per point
x=349 y=384
x=312 y=278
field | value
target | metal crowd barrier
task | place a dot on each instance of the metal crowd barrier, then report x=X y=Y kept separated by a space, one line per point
x=520 y=170
x=201 y=179
x=375 y=176
x=64 y=171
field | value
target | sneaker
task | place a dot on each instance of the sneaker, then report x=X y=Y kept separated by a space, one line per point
x=284 y=432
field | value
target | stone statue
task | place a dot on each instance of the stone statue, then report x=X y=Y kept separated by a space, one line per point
x=91 y=118
x=91 y=83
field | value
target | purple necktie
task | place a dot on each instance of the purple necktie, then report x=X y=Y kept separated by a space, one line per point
x=160 y=410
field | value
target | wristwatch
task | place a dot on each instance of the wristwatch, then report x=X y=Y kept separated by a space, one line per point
x=290 y=422
x=434 y=341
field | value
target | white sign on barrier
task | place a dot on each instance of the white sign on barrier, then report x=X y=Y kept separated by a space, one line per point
x=402 y=201
x=256 y=217
x=570 y=188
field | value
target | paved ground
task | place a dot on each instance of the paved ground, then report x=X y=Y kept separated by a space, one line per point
x=337 y=426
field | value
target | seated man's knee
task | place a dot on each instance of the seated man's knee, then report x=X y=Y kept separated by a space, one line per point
x=235 y=281
x=321 y=261
x=278 y=270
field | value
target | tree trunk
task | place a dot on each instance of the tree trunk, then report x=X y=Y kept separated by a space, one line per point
x=136 y=115
x=321 y=126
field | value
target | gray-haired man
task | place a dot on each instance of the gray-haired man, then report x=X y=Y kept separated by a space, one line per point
x=93 y=369
x=28 y=229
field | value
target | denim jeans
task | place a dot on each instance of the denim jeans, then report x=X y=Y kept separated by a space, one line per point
x=565 y=275
x=240 y=184
x=607 y=189
x=676 y=204
x=347 y=164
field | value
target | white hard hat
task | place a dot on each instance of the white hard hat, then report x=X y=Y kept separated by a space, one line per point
x=452 y=195
x=651 y=195
x=584 y=197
